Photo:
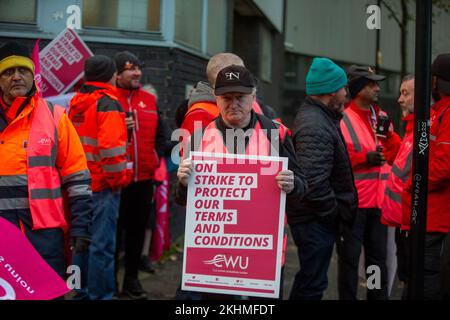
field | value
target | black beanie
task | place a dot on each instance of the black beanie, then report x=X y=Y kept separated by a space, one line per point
x=125 y=60
x=356 y=85
x=99 y=68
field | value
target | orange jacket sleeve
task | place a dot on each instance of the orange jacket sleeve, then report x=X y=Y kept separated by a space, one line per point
x=112 y=136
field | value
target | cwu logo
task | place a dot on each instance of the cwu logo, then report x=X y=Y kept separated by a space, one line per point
x=6 y=291
x=229 y=262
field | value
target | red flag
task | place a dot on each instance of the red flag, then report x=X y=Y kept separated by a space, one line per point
x=161 y=233
x=24 y=275
x=37 y=66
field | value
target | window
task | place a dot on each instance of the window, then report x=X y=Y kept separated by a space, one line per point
x=188 y=22
x=217 y=26
x=130 y=15
x=18 y=11
x=266 y=55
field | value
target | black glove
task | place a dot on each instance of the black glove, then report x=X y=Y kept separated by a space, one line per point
x=375 y=158
x=79 y=245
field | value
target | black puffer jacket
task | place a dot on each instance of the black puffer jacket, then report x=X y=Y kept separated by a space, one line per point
x=323 y=158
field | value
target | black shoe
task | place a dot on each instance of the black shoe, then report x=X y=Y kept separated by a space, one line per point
x=146 y=265
x=132 y=288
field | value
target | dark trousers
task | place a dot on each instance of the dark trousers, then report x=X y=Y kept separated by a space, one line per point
x=434 y=248
x=446 y=268
x=315 y=241
x=368 y=231
x=402 y=243
x=135 y=211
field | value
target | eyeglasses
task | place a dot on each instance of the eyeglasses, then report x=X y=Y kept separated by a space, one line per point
x=11 y=71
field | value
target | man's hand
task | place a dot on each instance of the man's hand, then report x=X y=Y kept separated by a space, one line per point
x=130 y=123
x=375 y=158
x=285 y=180
x=79 y=245
x=185 y=171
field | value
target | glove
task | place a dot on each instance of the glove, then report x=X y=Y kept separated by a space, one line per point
x=375 y=158
x=79 y=245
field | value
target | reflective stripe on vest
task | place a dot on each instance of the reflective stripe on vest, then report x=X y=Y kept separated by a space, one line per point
x=10 y=182
x=405 y=173
x=259 y=144
x=44 y=182
x=213 y=142
x=370 y=181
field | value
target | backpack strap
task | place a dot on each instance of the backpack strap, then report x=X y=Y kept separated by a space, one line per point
x=268 y=124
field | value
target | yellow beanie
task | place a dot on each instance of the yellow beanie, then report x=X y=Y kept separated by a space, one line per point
x=15 y=62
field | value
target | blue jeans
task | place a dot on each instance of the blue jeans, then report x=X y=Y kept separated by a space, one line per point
x=315 y=241
x=97 y=265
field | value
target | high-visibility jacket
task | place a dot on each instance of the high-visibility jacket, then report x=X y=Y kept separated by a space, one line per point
x=100 y=122
x=258 y=144
x=204 y=113
x=41 y=154
x=398 y=177
x=143 y=140
x=438 y=207
x=370 y=181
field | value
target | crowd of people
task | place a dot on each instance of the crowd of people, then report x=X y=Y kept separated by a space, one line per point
x=85 y=177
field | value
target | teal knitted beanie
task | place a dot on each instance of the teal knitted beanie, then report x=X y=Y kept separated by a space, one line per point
x=324 y=77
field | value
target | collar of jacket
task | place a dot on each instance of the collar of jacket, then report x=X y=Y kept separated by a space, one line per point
x=202 y=93
x=91 y=86
x=441 y=104
x=223 y=127
x=409 y=119
x=335 y=115
x=127 y=92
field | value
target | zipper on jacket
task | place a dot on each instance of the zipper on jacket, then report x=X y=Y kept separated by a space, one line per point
x=136 y=128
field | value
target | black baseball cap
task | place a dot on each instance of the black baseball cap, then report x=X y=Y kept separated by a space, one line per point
x=441 y=69
x=355 y=72
x=234 y=79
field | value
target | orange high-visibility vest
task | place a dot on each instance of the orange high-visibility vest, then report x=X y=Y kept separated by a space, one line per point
x=44 y=182
x=399 y=176
x=258 y=144
x=370 y=181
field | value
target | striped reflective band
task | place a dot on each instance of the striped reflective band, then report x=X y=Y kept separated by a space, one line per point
x=403 y=174
x=77 y=176
x=111 y=168
x=92 y=157
x=367 y=176
x=393 y=195
x=14 y=203
x=40 y=161
x=89 y=141
x=113 y=152
x=37 y=194
x=79 y=190
x=351 y=131
x=18 y=180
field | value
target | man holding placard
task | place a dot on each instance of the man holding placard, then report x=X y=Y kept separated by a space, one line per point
x=235 y=209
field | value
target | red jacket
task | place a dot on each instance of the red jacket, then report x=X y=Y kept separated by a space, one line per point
x=398 y=177
x=360 y=138
x=143 y=140
x=100 y=122
x=438 y=209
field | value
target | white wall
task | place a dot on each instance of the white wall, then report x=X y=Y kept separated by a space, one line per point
x=337 y=29
x=273 y=9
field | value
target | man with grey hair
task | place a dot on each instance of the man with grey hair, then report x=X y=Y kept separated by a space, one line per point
x=391 y=209
x=202 y=107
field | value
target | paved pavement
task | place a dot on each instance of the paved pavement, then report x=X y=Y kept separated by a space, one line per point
x=164 y=283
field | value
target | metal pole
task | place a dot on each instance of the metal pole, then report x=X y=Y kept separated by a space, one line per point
x=377 y=46
x=420 y=154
